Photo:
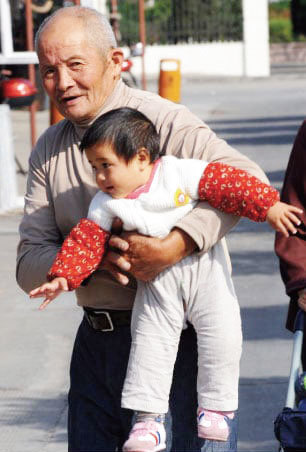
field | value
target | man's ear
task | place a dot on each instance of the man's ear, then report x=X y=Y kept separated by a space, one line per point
x=116 y=57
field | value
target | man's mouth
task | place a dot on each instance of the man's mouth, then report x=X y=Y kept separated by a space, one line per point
x=69 y=99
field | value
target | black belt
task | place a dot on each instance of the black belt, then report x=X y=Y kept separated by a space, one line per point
x=107 y=319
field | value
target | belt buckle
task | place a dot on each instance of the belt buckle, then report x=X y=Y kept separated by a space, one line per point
x=111 y=326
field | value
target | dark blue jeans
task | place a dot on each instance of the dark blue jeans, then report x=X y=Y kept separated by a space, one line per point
x=97 y=423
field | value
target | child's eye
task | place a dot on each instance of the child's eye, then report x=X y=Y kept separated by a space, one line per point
x=105 y=165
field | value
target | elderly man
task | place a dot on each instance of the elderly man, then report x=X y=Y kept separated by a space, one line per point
x=80 y=66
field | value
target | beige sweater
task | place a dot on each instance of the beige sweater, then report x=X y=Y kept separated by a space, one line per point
x=61 y=185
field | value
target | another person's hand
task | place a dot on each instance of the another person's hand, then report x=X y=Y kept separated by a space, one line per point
x=145 y=257
x=282 y=218
x=50 y=290
x=302 y=299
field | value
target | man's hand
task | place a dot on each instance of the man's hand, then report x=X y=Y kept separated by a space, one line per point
x=145 y=257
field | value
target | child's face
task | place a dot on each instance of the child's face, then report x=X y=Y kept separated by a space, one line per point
x=113 y=174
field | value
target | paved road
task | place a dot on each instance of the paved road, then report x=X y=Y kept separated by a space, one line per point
x=260 y=117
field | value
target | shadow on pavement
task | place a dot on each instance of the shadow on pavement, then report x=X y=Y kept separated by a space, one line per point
x=271 y=320
x=258 y=140
x=254 y=263
x=256 y=432
x=34 y=419
x=250 y=132
x=276 y=176
x=264 y=119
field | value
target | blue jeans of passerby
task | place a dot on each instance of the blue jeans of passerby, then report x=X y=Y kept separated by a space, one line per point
x=97 y=423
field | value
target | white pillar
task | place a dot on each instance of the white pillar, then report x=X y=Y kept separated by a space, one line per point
x=256 y=38
x=8 y=182
x=6 y=28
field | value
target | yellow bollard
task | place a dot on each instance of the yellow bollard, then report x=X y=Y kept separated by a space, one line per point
x=169 y=85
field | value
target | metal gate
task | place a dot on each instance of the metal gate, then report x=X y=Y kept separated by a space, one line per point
x=180 y=21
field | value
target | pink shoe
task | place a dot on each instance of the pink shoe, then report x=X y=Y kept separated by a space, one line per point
x=148 y=436
x=212 y=425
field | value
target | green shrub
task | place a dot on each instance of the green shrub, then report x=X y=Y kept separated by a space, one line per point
x=301 y=38
x=279 y=9
x=280 y=30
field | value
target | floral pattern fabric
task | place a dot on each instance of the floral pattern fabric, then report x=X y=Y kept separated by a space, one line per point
x=235 y=191
x=80 y=254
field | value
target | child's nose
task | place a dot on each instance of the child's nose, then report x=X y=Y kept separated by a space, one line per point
x=100 y=177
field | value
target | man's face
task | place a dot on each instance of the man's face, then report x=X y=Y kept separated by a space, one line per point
x=77 y=78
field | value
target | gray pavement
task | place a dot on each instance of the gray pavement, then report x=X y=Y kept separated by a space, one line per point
x=260 y=117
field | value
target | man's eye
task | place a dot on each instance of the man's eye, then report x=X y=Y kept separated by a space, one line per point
x=75 y=64
x=48 y=73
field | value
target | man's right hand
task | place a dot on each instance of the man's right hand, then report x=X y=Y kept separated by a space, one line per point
x=114 y=262
x=145 y=257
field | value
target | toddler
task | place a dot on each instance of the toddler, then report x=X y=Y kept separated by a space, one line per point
x=150 y=193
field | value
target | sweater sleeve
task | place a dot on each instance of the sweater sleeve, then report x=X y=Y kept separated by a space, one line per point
x=186 y=136
x=80 y=253
x=235 y=191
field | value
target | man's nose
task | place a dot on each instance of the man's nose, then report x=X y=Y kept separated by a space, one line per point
x=64 y=79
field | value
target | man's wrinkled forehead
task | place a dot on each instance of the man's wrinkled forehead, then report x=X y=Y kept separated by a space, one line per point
x=62 y=27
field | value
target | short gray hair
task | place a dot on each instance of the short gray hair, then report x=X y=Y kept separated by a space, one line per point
x=96 y=25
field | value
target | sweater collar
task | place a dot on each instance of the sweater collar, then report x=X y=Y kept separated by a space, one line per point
x=146 y=187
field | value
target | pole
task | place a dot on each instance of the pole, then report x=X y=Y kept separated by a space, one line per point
x=114 y=20
x=142 y=36
x=31 y=67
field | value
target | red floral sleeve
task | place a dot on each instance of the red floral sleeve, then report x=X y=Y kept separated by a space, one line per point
x=235 y=191
x=80 y=254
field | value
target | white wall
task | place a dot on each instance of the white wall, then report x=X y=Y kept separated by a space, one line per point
x=222 y=59
x=256 y=38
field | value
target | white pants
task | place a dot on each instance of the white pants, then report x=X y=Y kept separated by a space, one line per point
x=200 y=287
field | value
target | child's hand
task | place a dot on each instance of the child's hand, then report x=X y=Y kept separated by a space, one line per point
x=282 y=218
x=50 y=290
x=302 y=299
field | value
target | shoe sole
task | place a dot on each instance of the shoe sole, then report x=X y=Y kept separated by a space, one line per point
x=215 y=438
x=157 y=449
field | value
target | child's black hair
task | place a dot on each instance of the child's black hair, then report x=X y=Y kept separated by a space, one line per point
x=127 y=130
